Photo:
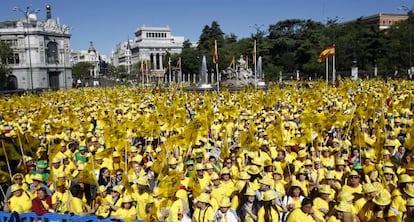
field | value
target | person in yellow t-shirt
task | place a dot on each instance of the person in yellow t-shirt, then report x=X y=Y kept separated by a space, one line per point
x=127 y=210
x=279 y=183
x=101 y=207
x=142 y=196
x=20 y=202
x=204 y=211
x=343 y=211
x=60 y=198
x=248 y=207
x=268 y=211
x=226 y=185
x=225 y=213
x=353 y=184
x=378 y=209
x=321 y=203
x=369 y=193
x=77 y=205
x=293 y=199
x=304 y=213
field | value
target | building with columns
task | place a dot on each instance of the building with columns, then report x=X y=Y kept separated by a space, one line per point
x=41 y=52
x=150 y=44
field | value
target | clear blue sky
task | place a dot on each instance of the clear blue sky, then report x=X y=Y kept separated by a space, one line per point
x=108 y=22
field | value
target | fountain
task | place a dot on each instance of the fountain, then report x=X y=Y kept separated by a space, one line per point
x=259 y=74
x=242 y=76
x=232 y=78
x=204 y=85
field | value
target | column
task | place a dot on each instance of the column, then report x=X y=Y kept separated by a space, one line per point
x=194 y=78
x=161 y=65
x=154 y=61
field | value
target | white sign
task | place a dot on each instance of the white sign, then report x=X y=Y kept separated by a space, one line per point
x=354 y=73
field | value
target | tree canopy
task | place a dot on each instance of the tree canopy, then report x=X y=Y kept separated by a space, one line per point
x=295 y=44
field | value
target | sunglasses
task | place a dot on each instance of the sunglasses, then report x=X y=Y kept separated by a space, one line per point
x=18 y=178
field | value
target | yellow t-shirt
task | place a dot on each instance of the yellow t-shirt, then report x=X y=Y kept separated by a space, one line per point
x=319 y=203
x=22 y=204
x=298 y=216
x=357 y=189
x=77 y=206
x=227 y=188
x=128 y=215
x=261 y=215
x=333 y=219
x=63 y=198
x=217 y=193
x=142 y=200
x=204 y=215
x=359 y=204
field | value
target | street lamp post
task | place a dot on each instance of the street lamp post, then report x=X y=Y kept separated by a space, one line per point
x=26 y=14
x=65 y=46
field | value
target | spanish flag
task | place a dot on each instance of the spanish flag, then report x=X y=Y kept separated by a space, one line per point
x=329 y=51
x=215 y=55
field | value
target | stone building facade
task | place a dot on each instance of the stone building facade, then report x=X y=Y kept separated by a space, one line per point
x=41 y=58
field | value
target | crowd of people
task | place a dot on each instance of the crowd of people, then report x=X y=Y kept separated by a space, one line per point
x=292 y=154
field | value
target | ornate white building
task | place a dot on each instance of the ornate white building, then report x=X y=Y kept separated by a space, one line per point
x=41 y=52
x=150 y=44
x=90 y=55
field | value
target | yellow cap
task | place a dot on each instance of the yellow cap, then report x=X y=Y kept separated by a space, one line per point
x=172 y=161
x=15 y=187
x=409 y=190
x=266 y=181
x=383 y=198
x=127 y=199
x=118 y=188
x=225 y=202
x=37 y=177
x=199 y=166
x=410 y=202
x=405 y=178
x=250 y=192
x=345 y=196
x=244 y=175
x=368 y=188
x=224 y=170
x=214 y=176
x=326 y=189
x=344 y=207
x=204 y=197
x=143 y=181
x=269 y=195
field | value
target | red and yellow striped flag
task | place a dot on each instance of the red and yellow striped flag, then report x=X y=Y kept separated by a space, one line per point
x=329 y=51
x=215 y=55
x=254 y=52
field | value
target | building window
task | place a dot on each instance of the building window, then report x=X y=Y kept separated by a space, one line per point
x=12 y=59
x=52 y=53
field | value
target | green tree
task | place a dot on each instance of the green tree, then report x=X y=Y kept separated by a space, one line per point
x=5 y=52
x=81 y=70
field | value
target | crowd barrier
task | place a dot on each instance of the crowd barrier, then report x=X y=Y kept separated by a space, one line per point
x=49 y=217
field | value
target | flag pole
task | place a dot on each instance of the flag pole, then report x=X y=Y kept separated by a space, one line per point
x=333 y=69
x=216 y=62
x=327 y=70
x=169 y=71
x=180 y=73
x=255 y=64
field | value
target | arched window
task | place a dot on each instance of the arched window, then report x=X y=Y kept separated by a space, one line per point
x=52 y=55
x=11 y=83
